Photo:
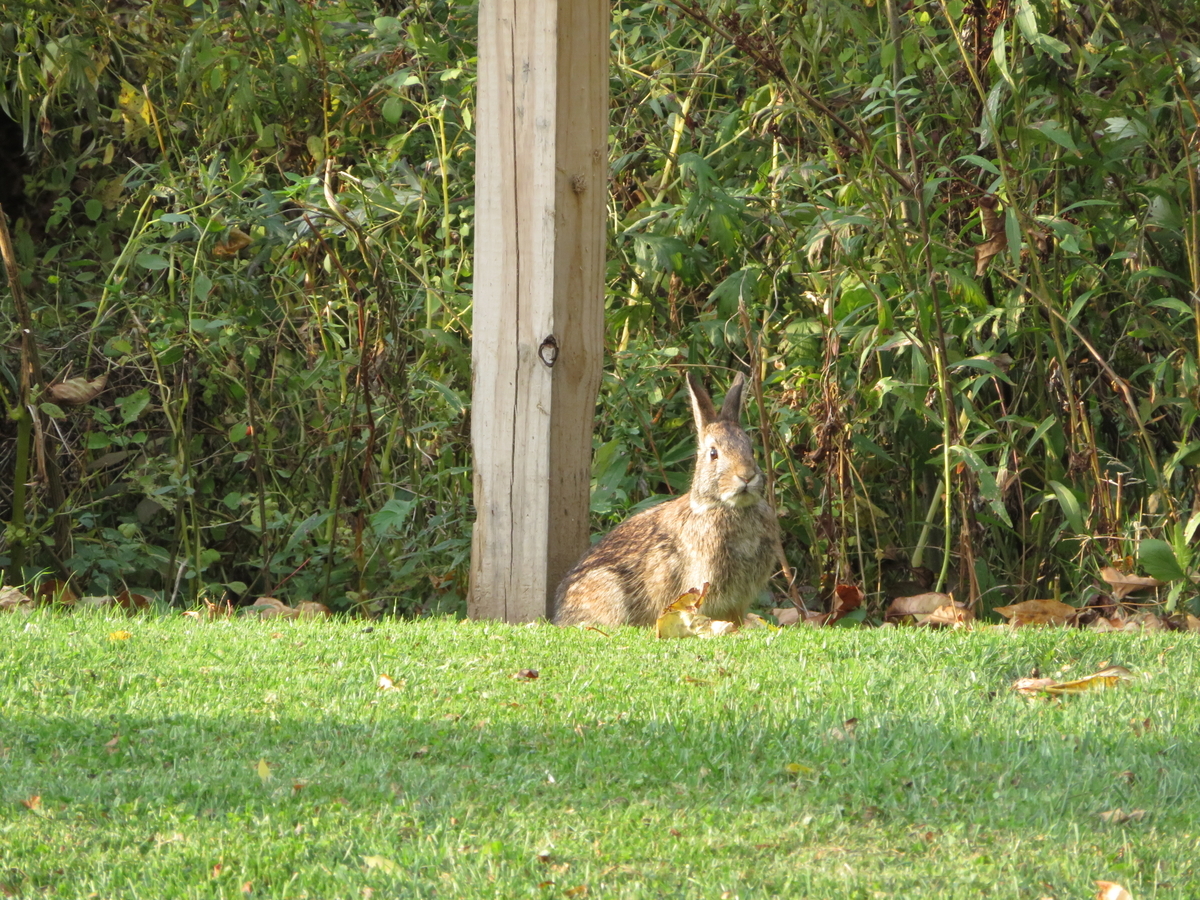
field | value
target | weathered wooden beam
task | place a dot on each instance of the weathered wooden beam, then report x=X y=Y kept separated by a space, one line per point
x=540 y=191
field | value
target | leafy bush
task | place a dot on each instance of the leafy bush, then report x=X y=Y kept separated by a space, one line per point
x=955 y=243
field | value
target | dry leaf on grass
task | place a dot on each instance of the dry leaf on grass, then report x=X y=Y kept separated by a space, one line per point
x=1110 y=890
x=1038 y=612
x=385 y=683
x=950 y=616
x=269 y=608
x=1105 y=678
x=311 y=609
x=12 y=600
x=1032 y=685
x=1118 y=816
x=1123 y=584
x=1145 y=621
x=846 y=599
x=683 y=618
x=131 y=602
x=917 y=605
x=54 y=592
x=788 y=616
x=263 y=768
x=382 y=863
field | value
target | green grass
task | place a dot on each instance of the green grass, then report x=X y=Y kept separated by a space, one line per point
x=636 y=767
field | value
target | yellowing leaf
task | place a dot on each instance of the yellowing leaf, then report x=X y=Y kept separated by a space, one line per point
x=1106 y=678
x=264 y=770
x=382 y=863
x=1110 y=890
x=386 y=683
x=119 y=635
x=135 y=110
x=951 y=615
x=233 y=243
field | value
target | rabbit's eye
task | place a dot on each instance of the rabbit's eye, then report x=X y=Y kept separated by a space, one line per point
x=712 y=453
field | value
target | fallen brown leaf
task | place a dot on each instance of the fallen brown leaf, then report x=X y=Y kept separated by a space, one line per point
x=270 y=607
x=951 y=615
x=1123 y=583
x=55 y=592
x=1144 y=621
x=788 y=616
x=12 y=600
x=1118 y=816
x=1038 y=612
x=235 y=241
x=33 y=803
x=846 y=732
x=131 y=602
x=916 y=605
x=1032 y=685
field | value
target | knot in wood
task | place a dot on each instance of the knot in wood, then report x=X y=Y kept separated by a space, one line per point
x=548 y=351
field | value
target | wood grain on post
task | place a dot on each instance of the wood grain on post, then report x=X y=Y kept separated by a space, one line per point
x=541 y=186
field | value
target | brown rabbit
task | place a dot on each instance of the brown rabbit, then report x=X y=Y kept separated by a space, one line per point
x=722 y=533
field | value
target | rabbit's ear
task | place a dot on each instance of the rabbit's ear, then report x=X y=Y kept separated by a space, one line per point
x=702 y=405
x=731 y=409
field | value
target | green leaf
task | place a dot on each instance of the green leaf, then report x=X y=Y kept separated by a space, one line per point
x=391 y=517
x=1059 y=135
x=987 y=481
x=152 y=261
x=1158 y=559
x=392 y=110
x=53 y=410
x=133 y=405
x=1012 y=230
x=1070 y=506
x=1027 y=20
x=742 y=284
x=1000 y=54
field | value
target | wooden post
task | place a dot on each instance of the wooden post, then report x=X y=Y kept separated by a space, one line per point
x=541 y=183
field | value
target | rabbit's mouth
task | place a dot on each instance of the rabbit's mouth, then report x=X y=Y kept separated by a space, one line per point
x=745 y=494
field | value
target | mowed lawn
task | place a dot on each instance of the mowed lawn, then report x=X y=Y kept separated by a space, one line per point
x=262 y=759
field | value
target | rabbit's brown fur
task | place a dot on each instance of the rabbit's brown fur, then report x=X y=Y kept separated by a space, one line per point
x=722 y=533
